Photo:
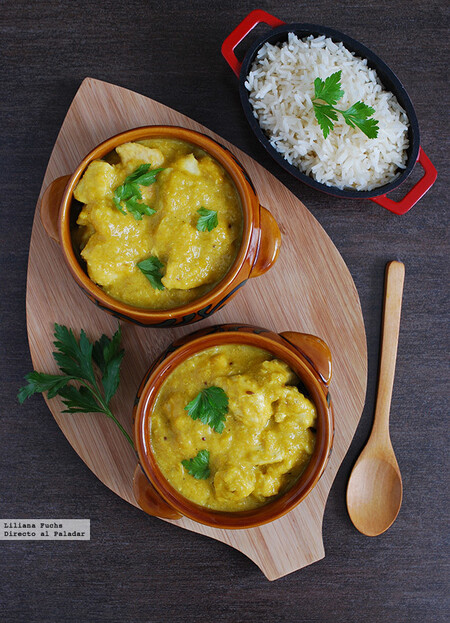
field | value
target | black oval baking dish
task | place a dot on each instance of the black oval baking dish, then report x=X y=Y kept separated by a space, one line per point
x=390 y=81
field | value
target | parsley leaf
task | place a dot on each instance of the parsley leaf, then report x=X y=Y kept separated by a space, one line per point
x=79 y=400
x=208 y=219
x=108 y=356
x=127 y=194
x=144 y=176
x=151 y=268
x=329 y=91
x=210 y=407
x=325 y=116
x=75 y=359
x=40 y=382
x=198 y=466
x=138 y=209
x=123 y=193
x=358 y=115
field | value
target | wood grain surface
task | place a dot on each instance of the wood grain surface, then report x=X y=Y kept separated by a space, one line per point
x=136 y=568
x=310 y=277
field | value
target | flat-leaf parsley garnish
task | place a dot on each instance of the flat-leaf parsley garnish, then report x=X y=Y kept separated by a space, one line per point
x=329 y=91
x=210 y=406
x=75 y=359
x=127 y=194
x=207 y=220
x=151 y=267
x=198 y=466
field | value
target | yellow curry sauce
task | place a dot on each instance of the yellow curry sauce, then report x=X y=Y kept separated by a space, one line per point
x=113 y=243
x=268 y=438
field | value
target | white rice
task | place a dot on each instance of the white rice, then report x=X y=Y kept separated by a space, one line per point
x=281 y=85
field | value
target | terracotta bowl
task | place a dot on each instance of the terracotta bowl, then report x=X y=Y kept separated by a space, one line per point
x=259 y=248
x=310 y=359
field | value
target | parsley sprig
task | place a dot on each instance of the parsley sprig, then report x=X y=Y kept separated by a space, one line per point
x=75 y=359
x=198 y=466
x=207 y=220
x=330 y=92
x=151 y=268
x=127 y=194
x=210 y=406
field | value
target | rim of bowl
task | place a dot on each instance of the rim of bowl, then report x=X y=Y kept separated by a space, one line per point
x=281 y=504
x=387 y=77
x=226 y=159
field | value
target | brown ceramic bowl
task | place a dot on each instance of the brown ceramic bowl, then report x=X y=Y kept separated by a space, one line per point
x=259 y=248
x=310 y=359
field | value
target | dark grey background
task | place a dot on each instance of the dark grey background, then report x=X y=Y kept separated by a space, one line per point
x=136 y=568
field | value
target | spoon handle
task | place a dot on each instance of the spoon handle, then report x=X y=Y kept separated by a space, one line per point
x=393 y=292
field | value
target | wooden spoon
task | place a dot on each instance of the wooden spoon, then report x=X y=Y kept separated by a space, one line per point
x=374 y=490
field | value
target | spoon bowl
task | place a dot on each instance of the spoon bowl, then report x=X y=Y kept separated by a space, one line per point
x=374 y=490
x=375 y=495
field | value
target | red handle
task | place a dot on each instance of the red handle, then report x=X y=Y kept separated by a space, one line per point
x=253 y=19
x=416 y=192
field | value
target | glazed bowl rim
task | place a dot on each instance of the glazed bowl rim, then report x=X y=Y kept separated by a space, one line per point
x=151 y=386
x=248 y=199
x=374 y=62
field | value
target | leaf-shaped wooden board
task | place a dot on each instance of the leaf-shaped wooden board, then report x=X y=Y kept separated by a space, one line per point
x=309 y=289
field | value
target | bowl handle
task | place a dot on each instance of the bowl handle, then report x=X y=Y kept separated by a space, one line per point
x=416 y=192
x=149 y=499
x=50 y=203
x=240 y=32
x=269 y=243
x=314 y=349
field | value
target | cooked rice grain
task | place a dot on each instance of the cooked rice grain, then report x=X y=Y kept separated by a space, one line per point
x=281 y=85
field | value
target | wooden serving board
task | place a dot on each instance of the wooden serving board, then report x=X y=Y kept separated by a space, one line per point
x=309 y=289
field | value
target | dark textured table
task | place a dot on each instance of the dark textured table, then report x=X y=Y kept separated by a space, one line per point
x=137 y=568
